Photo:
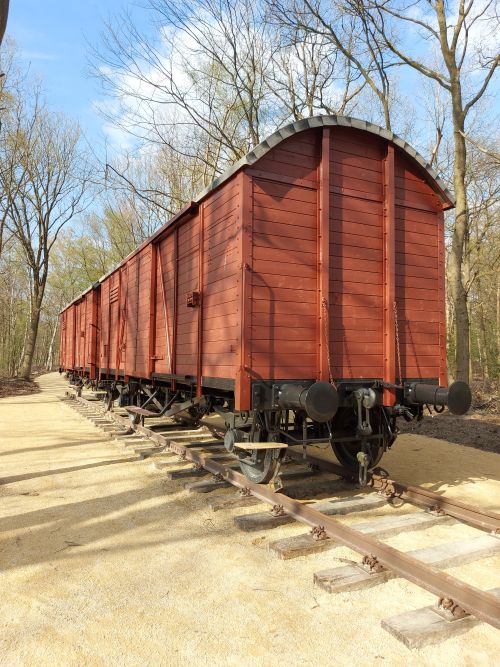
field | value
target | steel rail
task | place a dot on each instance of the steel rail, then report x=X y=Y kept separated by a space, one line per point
x=481 y=604
x=475 y=516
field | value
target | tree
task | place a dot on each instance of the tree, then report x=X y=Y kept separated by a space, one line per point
x=309 y=75
x=198 y=86
x=351 y=37
x=463 y=61
x=45 y=186
x=4 y=12
x=217 y=78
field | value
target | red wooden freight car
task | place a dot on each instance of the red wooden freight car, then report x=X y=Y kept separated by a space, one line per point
x=301 y=296
x=78 y=334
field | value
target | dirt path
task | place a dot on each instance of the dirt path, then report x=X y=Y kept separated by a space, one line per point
x=102 y=562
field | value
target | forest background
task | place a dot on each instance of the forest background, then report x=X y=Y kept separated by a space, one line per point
x=207 y=81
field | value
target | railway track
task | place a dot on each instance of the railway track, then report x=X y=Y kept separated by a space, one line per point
x=459 y=606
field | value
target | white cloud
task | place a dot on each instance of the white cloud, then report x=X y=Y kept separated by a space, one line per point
x=38 y=55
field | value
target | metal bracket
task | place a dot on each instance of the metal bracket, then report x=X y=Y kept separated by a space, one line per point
x=450 y=610
x=372 y=564
x=318 y=533
x=193 y=299
x=436 y=510
x=278 y=510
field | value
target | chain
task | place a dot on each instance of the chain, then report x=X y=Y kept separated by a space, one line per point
x=324 y=304
x=398 y=351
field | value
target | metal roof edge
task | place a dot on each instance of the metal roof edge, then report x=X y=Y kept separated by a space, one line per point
x=328 y=120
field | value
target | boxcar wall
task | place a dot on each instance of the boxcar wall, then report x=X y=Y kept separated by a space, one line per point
x=322 y=258
x=346 y=237
x=79 y=335
x=171 y=311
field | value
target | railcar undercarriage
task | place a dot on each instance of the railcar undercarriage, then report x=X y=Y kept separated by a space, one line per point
x=348 y=416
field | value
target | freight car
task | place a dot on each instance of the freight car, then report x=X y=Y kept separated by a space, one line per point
x=300 y=297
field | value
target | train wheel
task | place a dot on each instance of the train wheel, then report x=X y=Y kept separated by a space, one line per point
x=346 y=452
x=262 y=466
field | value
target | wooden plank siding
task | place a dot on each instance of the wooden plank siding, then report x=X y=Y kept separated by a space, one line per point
x=165 y=305
x=284 y=274
x=187 y=282
x=356 y=254
x=104 y=327
x=182 y=269
x=83 y=332
x=79 y=334
x=419 y=266
x=109 y=322
x=221 y=300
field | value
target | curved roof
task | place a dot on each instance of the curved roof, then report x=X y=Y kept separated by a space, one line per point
x=314 y=122
x=329 y=121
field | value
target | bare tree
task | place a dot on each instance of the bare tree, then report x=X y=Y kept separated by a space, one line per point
x=465 y=35
x=44 y=189
x=351 y=35
x=309 y=75
x=199 y=89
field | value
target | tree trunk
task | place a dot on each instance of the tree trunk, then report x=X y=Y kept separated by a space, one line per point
x=460 y=237
x=483 y=337
x=50 y=354
x=497 y=346
x=29 y=350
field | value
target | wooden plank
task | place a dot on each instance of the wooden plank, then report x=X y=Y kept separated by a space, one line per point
x=354 y=577
x=251 y=446
x=206 y=486
x=323 y=258
x=159 y=464
x=192 y=472
x=266 y=520
x=293 y=206
x=314 y=486
x=147 y=451
x=276 y=281
x=424 y=626
x=262 y=231
x=231 y=501
x=281 y=190
x=389 y=273
x=304 y=544
x=244 y=289
x=288 y=478
x=187 y=440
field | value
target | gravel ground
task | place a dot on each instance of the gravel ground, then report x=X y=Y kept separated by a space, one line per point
x=475 y=429
x=103 y=562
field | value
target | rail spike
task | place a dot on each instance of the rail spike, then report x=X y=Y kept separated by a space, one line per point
x=450 y=610
x=372 y=564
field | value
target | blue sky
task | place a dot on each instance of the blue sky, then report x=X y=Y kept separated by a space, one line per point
x=52 y=37
x=53 y=40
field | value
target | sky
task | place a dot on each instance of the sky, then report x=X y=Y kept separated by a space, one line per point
x=53 y=37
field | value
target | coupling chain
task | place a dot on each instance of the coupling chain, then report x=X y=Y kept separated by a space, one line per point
x=326 y=319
